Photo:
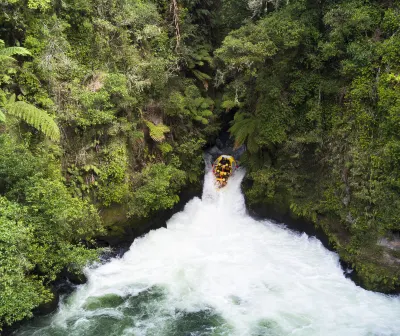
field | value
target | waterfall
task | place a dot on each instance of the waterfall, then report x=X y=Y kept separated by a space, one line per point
x=216 y=271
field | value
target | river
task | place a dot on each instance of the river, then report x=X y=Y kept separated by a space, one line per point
x=216 y=271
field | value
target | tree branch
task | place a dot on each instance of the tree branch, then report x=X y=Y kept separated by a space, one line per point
x=175 y=12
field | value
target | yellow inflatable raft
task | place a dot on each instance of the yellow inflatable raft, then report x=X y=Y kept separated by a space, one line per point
x=223 y=168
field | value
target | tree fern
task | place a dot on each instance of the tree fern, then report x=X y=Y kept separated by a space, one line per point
x=244 y=130
x=35 y=117
x=157 y=132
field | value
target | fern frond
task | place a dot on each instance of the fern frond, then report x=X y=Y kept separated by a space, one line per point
x=199 y=118
x=206 y=113
x=244 y=129
x=35 y=117
x=252 y=145
x=11 y=51
x=165 y=147
x=228 y=104
x=12 y=99
x=2 y=117
x=157 y=132
x=3 y=99
x=201 y=75
x=4 y=58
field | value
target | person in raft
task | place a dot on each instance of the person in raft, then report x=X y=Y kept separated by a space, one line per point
x=223 y=171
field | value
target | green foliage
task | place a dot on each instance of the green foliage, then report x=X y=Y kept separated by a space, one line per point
x=253 y=44
x=156 y=188
x=35 y=117
x=315 y=95
x=21 y=292
x=7 y=53
x=264 y=186
x=113 y=186
x=157 y=132
x=199 y=56
x=190 y=106
x=11 y=51
x=190 y=153
x=25 y=111
x=165 y=148
x=243 y=130
x=38 y=4
x=109 y=73
x=232 y=14
x=41 y=227
x=99 y=101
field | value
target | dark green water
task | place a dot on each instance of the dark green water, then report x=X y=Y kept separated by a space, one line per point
x=141 y=314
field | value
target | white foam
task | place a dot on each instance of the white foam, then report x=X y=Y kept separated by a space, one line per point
x=213 y=255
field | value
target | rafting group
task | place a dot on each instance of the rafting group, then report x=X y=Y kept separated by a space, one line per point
x=223 y=168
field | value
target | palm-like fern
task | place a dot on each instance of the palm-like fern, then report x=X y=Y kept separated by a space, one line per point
x=33 y=116
x=157 y=132
x=244 y=129
x=7 y=53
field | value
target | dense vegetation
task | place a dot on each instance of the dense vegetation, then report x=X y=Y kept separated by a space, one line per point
x=105 y=107
x=315 y=88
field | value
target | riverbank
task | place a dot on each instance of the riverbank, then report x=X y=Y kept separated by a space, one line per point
x=334 y=240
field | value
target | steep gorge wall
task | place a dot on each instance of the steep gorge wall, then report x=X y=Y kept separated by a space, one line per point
x=135 y=90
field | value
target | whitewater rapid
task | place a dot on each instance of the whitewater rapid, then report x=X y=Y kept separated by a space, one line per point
x=216 y=271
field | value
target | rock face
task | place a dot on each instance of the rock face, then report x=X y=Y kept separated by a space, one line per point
x=393 y=243
x=386 y=253
x=391 y=250
x=122 y=231
x=282 y=215
x=384 y=257
x=49 y=307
